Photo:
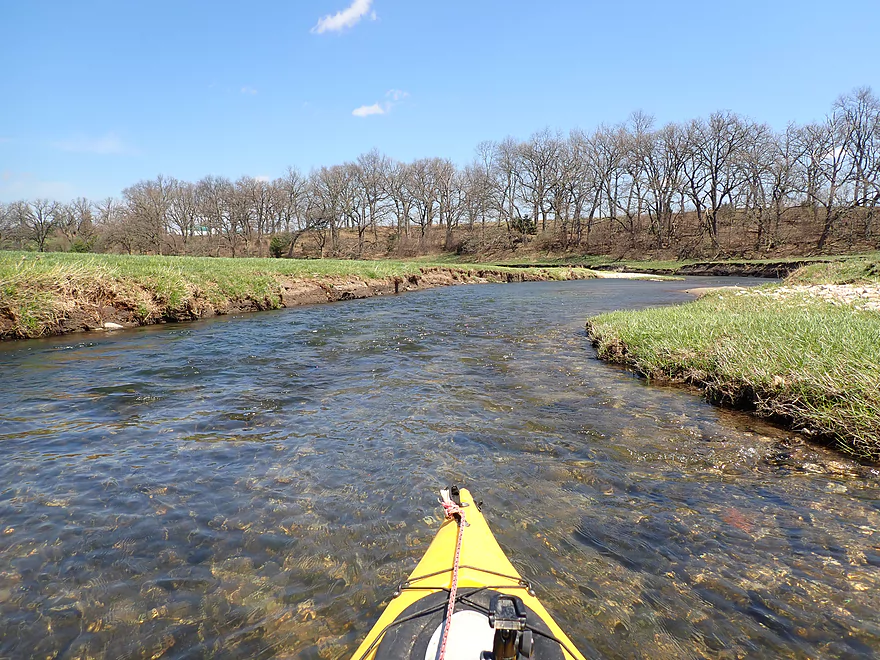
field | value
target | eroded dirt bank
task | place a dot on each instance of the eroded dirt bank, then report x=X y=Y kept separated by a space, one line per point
x=777 y=269
x=774 y=269
x=108 y=308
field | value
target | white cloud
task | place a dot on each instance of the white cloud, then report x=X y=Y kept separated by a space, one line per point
x=394 y=96
x=248 y=90
x=367 y=110
x=265 y=178
x=109 y=143
x=348 y=17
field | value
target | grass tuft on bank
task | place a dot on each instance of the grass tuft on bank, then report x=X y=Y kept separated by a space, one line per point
x=812 y=362
x=858 y=271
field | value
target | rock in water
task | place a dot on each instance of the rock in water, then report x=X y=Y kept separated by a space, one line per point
x=113 y=326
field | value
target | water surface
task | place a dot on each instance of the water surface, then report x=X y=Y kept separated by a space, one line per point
x=255 y=486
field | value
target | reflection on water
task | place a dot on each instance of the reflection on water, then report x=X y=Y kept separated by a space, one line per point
x=255 y=486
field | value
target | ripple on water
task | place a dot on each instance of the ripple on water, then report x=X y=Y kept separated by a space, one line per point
x=256 y=486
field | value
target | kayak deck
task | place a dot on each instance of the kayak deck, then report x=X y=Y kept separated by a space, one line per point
x=410 y=620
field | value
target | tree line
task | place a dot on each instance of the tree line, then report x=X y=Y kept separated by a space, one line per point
x=721 y=185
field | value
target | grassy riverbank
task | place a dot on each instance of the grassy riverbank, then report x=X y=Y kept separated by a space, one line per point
x=54 y=293
x=806 y=352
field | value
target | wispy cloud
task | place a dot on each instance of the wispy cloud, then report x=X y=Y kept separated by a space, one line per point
x=367 y=110
x=392 y=96
x=348 y=17
x=248 y=90
x=265 y=178
x=110 y=143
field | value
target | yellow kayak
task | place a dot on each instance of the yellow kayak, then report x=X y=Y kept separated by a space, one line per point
x=496 y=615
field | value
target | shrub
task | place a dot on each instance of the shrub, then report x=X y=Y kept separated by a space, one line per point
x=81 y=247
x=279 y=245
x=524 y=225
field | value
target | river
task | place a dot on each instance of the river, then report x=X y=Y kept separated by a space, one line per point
x=255 y=486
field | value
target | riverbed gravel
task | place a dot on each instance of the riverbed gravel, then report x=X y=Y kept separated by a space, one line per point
x=860 y=296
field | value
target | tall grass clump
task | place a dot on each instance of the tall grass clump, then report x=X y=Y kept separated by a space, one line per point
x=856 y=271
x=811 y=362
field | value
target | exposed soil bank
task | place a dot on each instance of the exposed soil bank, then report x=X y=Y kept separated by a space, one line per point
x=778 y=269
x=770 y=269
x=105 y=308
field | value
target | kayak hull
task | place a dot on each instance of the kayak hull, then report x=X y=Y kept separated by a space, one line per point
x=413 y=616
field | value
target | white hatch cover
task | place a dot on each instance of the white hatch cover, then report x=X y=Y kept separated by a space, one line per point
x=469 y=635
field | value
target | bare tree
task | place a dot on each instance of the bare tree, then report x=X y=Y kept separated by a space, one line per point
x=753 y=198
x=828 y=170
x=183 y=213
x=36 y=220
x=774 y=179
x=860 y=110
x=569 y=192
x=537 y=172
x=663 y=168
x=110 y=218
x=422 y=186
x=368 y=176
x=450 y=202
x=395 y=185
x=713 y=168
x=148 y=204
x=291 y=204
x=583 y=181
x=635 y=146
x=477 y=187
x=76 y=224
x=331 y=188
x=215 y=206
x=505 y=176
x=253 y=204
x=604 y=155
x=6 y=223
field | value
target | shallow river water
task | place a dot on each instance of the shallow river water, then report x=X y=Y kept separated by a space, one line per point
x=254 y=487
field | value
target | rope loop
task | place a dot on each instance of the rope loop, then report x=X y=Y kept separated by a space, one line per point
x=451 y=509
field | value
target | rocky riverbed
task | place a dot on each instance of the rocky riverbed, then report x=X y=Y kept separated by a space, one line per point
x=860 y=296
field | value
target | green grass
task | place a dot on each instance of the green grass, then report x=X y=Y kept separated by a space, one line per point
x=38 y=292
x=856 y=271
x=810 y=362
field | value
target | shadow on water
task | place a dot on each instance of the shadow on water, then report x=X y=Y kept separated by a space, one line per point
x=254 y=486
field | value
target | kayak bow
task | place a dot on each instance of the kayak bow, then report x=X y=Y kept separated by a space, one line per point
x=496 y=614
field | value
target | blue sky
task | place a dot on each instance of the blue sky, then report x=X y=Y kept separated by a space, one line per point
x=97 y=95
